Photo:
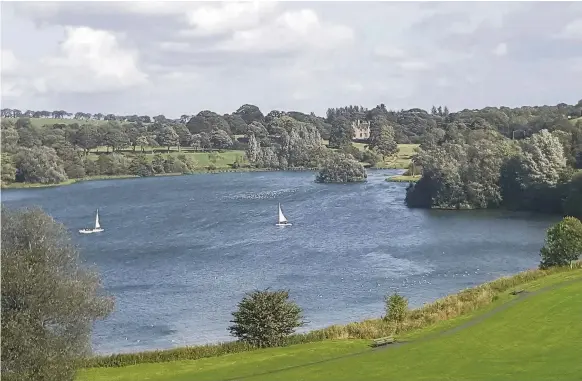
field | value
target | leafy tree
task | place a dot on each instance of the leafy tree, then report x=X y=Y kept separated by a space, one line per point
x=220 y=139
x=237 y=124
x=113 y=164
x=266 y=318
x=341 y=132
x=396 y=308
x=8 y=168
x=563 y=243
x=543 y=159
x=385 y=144
x=207 y=121
x=167 y=137
x=184 y=136
x=114 y=136
x=340 y=168
x=9 y=138
x=39 y=165
x=49 y=302
x=141 y=166
x=250 y=113
x=86 y=137
x=253 y=151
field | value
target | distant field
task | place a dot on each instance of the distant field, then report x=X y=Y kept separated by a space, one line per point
x=522 y=337
x=574 y=121
x=402 y=159
x=403 y=179
x=39 y=122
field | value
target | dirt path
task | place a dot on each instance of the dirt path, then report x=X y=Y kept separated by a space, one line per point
x=470 y=323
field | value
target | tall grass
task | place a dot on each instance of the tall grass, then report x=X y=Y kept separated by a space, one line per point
x=445 y=308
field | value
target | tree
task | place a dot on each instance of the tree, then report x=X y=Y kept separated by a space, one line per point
x=49 y=302
x=141 y=166
x=385 y=144
x=266 y=318
x=39 y=165
x=563 y=243
x=543 y=159
x=167 y=137
x=250 y=113
x=340 y=168
x=8 y=173
x=220 y=139
x=396 y=308
x=254 y=150
x=341 y=132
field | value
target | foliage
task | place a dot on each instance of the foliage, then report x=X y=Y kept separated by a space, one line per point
x=49 y=302
x=396 y=308
x=141 y=166
x=341 y=132
x=563 y=243
x=39 y=165
x=340 y=168
x=266 y=318
x=220 y=139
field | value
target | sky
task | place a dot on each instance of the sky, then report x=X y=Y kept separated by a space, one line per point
x=175 y=58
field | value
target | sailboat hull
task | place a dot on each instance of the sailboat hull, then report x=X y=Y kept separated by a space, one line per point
x=89 y=231
x=284 y=224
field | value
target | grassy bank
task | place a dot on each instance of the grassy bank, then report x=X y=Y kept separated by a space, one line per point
x=419 y=321
x=403 y=179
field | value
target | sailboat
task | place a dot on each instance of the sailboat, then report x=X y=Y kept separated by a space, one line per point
x=97 y=227
x=282 y=220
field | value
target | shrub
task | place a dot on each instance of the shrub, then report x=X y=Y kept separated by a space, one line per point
x=396 y=308
x=266 y=318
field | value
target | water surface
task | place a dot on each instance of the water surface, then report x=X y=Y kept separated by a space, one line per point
x=179 y=253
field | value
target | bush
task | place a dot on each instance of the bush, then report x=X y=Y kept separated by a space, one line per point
x=563 y=243
x=49 y=303
x=396 y=308
x=266 y=318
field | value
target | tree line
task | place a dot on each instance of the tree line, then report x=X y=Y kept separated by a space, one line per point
x=279 y=139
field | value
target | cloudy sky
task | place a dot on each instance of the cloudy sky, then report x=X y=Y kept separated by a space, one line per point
x=176 y=58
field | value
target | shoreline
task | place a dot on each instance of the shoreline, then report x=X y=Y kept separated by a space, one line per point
x=458 y=304
x=21 y=186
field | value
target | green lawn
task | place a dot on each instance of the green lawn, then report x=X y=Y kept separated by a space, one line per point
x=534 y=337
x=39 y=122
x=201 y=159
x=403 y=179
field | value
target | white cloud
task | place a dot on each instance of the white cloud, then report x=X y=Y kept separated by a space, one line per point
x=500 y=49
x=90 y=61
x=173 y=46
x=572 y=30
x=231 y=16
x=291 y=31
x=389 y=52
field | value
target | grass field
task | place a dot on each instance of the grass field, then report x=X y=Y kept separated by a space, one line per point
x=535 y=335
x=39 y=122
x=403 y=179
x=201 y=159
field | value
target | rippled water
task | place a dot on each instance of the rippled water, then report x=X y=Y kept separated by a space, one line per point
x=178 y=253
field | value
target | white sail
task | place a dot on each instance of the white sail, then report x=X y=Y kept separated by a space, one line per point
x=97 y=225
x=282 y=218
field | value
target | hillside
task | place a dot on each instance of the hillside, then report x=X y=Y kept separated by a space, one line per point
x=495 y=342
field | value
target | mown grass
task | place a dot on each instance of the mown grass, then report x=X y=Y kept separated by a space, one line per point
x=264 y=360
x=450 y=307
x=535 y=339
